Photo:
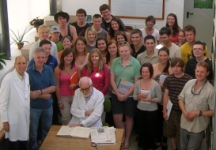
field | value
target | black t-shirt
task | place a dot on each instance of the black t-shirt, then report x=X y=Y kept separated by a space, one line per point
x=80 y=30
x=106 y=25
x=134 y=53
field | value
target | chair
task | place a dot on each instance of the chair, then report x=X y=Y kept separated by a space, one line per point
x=107 y=108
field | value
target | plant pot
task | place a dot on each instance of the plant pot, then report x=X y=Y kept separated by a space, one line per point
x=20 y=46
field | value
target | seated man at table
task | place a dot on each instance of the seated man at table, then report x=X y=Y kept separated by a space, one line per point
x=87 y=106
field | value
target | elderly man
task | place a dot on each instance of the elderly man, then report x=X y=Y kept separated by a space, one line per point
x=87 y=106
x=42 y=85
x=14 y=105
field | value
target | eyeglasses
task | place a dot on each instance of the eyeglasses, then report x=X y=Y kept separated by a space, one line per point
x=192 y=89
x=86 y=89
x=123 y=43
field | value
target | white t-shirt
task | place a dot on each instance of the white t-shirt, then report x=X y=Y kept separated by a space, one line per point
x=155 y=34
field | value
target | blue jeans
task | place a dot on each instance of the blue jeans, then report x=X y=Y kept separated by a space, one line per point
x=46 y=121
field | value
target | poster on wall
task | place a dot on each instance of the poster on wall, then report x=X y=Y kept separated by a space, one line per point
x=208 y=4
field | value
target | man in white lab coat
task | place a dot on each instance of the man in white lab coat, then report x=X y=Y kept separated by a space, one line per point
x=87 y=106
x=15 y=105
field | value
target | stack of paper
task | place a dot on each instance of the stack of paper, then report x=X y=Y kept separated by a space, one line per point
x=103 y=135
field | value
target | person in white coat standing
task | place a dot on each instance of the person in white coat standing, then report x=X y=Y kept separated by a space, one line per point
x=87 y=106
x=15 y=105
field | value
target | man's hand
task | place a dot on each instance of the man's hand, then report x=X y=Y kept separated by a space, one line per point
x=35 y=94
x=6 y=126
x=61 y=105
x=88 y=112
x=192 y=114
x=45 y=96
x=165 y=115
x=74 y=125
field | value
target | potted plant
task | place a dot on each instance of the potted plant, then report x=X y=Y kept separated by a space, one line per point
x=2 y=60
x=18 y=38
x=36 y=22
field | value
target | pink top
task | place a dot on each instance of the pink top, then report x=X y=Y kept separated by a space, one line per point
x=100 y=80
x=64 y=83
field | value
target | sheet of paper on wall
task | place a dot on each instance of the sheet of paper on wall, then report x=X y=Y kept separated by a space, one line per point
x=79 y=132
x=104 y=135
x=169 y=108
x=162 y=78
x=148 y=93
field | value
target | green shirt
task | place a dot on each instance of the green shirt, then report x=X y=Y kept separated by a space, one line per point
x=127 y=73
x=144 y=58
x=59 y=46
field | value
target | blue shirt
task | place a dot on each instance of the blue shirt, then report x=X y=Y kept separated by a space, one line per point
x=52 y=62
x=39 y=81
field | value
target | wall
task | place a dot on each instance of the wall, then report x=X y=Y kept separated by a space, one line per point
x=92 y=7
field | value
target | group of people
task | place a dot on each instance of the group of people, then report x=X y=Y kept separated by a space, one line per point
x=74 y=67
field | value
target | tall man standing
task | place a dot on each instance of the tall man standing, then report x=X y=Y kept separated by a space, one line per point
x=15 y=105
x=42 y=85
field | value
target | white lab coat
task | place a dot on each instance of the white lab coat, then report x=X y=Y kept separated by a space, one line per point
x=15 y=105
x=79 y=106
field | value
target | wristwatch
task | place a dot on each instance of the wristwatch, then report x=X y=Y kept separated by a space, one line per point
x=200 y=113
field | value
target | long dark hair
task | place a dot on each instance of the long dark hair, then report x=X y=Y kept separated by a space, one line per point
x=108 y=54
x=175 y=28
x=166 y=69
x=65 y=53
x=111 y=31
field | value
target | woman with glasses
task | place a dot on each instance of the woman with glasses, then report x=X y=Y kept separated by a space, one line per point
x=197 y=102
x=64 y=73
x=161 y=70
x=97 y=71
x=148 y=93
x=124 y=73
x=101 y=44
x=115 y=26
x=172 y=23
x=80 y=52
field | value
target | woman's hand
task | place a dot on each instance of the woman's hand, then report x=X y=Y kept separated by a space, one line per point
x=121 y=97
x=73 y=86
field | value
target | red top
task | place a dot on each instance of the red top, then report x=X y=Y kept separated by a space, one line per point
x=174 y=39
x=100 y=80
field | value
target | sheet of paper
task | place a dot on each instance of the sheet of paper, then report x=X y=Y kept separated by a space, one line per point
x=169 y=108
x=148 y=95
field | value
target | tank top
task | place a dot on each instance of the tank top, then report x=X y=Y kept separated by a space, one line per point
x=65 y=83
x=68 y=34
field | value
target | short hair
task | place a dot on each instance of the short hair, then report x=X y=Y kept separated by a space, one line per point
x=150 y=68
x=120 y=33
x=165 y=30
x=190 y=28
x=124 y=44
x=85 y=78
x=204 y=65
x=38 y=50
x=96 y=16
x=81 y=11
x=65 y=53
x=178 y=61
x=150 y=18
x=20 y=57
x=136 y=31
x=43 y=42
x=104 y=7
x=149 y=37
x=200 y=43
x=43 y=27
x=66 y=37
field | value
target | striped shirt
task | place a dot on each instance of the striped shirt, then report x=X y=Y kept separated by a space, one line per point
x=175 y=86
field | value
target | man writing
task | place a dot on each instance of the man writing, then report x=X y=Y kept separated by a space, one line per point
x=87 y=106
x=15 y=105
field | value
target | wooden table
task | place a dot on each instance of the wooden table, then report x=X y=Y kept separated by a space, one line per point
x=53 y=142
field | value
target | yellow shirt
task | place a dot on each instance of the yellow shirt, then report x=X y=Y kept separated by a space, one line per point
x=186 y=52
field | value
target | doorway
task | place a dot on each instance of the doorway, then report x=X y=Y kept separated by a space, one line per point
x=202 y=20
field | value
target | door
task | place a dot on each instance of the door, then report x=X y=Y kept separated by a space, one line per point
x=202 y=20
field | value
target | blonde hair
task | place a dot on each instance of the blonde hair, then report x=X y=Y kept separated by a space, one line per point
x=124 y=44
x=100 y=61
x=86 y=33
x=43 y=27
